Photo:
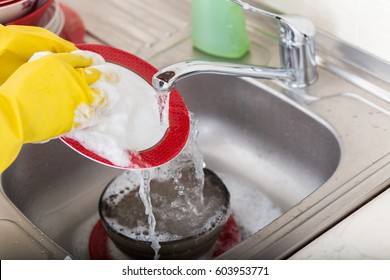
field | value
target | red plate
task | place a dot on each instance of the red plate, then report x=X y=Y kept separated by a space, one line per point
x=179 y=124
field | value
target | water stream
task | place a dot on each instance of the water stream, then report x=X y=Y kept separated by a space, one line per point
x=144 y=192
x=171 y=194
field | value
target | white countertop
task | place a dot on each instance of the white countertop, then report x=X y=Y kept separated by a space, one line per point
x=365 y=234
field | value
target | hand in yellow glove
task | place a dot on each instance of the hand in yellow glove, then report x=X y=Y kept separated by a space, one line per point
x=19 y=43
x=38 y=101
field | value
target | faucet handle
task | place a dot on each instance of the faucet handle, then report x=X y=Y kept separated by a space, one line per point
x=298 y=24
x=297 y=45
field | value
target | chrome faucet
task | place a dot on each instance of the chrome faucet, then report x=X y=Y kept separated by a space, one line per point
x=297 y=55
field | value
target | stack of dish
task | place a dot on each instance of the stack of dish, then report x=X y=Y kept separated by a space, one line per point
x=11 y=10
x=44 y=13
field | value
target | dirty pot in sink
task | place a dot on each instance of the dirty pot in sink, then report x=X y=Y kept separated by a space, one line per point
x=185 y=227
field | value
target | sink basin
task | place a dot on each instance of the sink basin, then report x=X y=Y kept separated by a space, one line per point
x=257 y=136
x=259 y=142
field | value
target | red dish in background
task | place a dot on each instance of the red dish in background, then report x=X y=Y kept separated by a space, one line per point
x=33 y=17
x=73 y=29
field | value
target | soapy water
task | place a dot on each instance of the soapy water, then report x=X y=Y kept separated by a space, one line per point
x=172 y=198
x=178 y=211
x=251 y=207
x=170 y=222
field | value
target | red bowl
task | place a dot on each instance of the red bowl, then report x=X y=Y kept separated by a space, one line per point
x=7 y=2
x=33 y=17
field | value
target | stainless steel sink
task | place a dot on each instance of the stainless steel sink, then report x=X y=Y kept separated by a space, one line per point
x=256 y=139
x=316 y=154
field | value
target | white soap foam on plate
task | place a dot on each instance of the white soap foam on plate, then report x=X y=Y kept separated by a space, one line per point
x=128 y=121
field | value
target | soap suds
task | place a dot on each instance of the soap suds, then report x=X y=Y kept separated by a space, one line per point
x=129 y=121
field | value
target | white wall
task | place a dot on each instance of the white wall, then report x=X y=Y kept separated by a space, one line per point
x=363 y=23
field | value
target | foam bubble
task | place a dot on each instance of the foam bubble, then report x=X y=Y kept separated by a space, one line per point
x=129 y=119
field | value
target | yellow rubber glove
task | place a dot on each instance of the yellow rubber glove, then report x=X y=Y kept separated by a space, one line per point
x=18 y=43
x=39 y=99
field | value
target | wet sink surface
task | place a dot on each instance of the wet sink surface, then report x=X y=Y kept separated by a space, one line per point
x=255 y=143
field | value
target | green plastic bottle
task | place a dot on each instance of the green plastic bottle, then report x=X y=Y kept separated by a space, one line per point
x=218 y=28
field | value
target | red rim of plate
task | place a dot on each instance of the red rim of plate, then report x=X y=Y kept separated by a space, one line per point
x=176 y=136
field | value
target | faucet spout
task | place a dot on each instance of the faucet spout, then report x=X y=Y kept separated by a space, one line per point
x=166 y=78
x=297 y=56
